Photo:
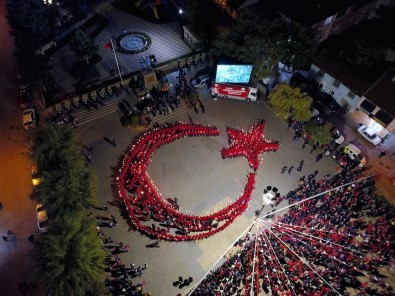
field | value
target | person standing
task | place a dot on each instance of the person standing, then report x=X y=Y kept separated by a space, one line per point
x=195 y=109
x=305 y=142
x=316 y=144
x=284 y=169
x=290 y=170
x=318 y=157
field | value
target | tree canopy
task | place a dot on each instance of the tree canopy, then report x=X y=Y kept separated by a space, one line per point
x=69 y=256
x=70 y=259
x=204 y=16
x=288 y=101
x=319 y=133
x=83 y=45
x=54 y=147
x=264 y=43
x=32 y=24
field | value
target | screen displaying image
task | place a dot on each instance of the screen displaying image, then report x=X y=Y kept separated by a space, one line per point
x=233 y=73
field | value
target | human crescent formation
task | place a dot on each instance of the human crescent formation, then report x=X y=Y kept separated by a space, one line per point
x=160 y=218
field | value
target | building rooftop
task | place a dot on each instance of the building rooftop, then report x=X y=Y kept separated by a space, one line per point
x=339 y=71
x=310 y=12
x=382 y=92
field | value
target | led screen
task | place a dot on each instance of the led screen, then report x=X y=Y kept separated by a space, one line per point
x=233 y=73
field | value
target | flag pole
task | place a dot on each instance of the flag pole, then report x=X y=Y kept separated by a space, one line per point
x=116 y=60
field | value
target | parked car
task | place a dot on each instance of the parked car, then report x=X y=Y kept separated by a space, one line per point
x=326 y=100
x=369 y=134
x=36 y=175
x=337 y=136
x=42 y=218
x=100 y=93
x=350 y=155
x=24 y=97
x=316 y=116
x=200 y=81
x=29 y=118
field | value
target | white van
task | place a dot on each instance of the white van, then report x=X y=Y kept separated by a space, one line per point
x=355 y=154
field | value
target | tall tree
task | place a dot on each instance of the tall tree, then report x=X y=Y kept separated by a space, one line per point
x=264 y=43
x=68 y=189
x=204 y=16
x=54 y=147
x=288 y=101
x=70 y=259
x=83 y=45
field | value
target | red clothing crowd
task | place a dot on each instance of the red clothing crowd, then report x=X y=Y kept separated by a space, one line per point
x=340 y=241
x=155 y=216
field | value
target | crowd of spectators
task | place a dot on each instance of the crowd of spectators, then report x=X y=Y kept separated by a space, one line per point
x=340 y=242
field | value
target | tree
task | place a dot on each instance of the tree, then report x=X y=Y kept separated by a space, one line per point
x=319 y=133
x=203 y=17
x=83 y=45
x=70 y=259
x=264 y=43
x=32 y=26
x=288 y=101
x=68 y=189
x=54 y=147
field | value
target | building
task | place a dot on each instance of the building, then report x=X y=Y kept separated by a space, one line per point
x=377 y=104
x=372 y=102
x=325 y=17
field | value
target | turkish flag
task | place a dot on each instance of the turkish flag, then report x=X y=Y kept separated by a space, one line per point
x=108 y=45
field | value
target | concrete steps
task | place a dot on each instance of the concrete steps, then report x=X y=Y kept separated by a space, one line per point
x=86 y=116
x=169 y=117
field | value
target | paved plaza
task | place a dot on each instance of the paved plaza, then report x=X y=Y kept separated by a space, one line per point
x=192 y=170
x=166 y=45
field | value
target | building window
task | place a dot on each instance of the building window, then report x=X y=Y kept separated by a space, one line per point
x=328 y=20
x=351 y=94
x=321 y=73
x=336 y=83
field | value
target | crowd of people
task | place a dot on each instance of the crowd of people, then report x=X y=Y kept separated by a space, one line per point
x=250 y=144
x=153 y=215
x=337 y=242
x=120 y=279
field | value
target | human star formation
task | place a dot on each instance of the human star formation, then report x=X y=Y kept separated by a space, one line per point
x=249 y=144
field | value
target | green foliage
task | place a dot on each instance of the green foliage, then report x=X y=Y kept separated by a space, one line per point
x=70 y=258
x=69 y=189
x=285 y=98
x=264 y=43
x=54 y=147
x=32 y=26
x=318 y=132
x=203 y=17
x=135 y=119
x=83 y=45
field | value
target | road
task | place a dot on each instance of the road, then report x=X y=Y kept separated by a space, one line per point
x=15 y=183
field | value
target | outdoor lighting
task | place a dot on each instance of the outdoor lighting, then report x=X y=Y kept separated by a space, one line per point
x=180 y=11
